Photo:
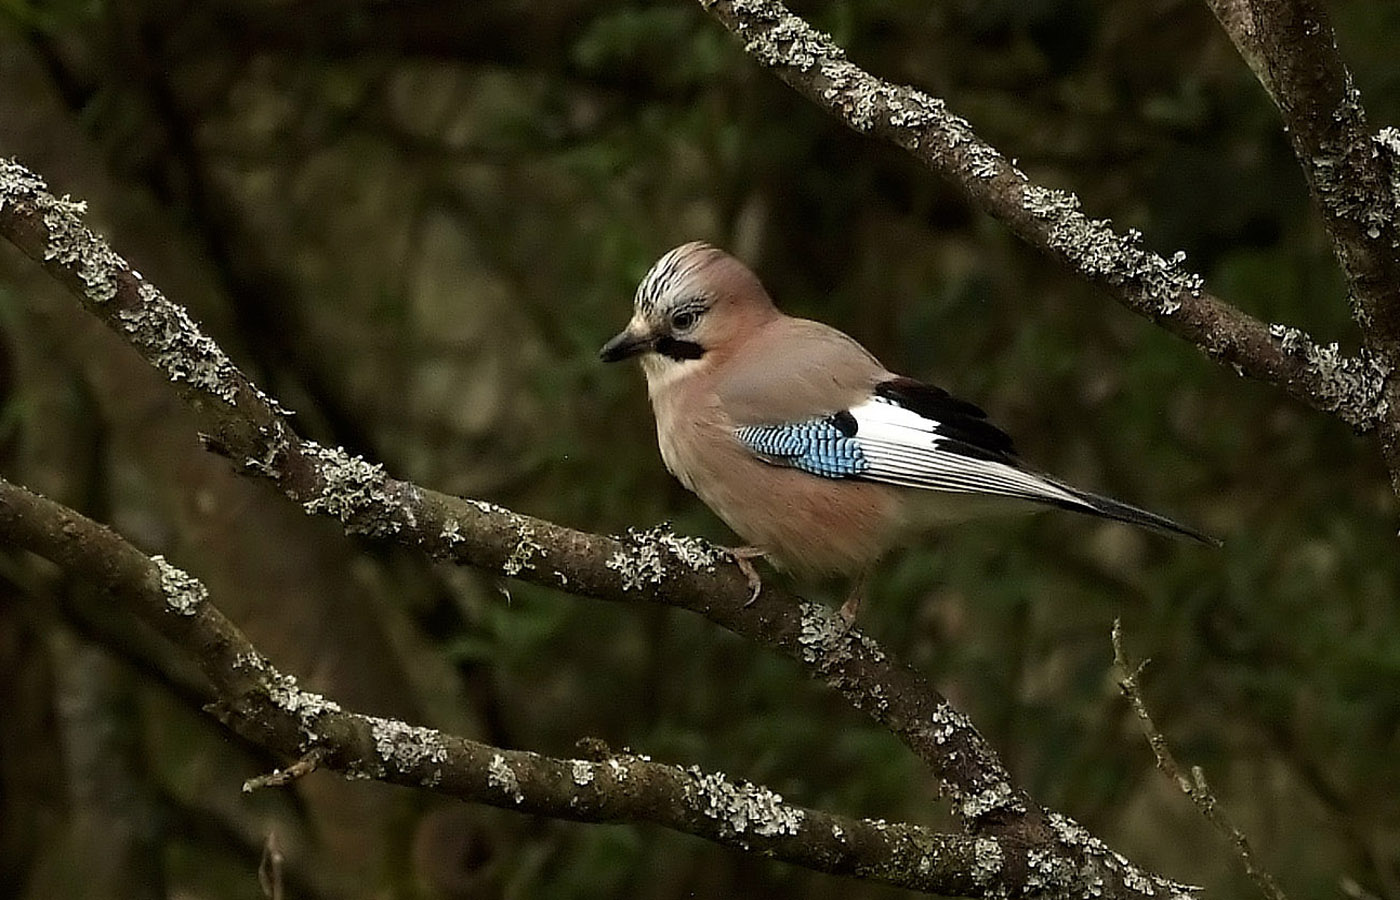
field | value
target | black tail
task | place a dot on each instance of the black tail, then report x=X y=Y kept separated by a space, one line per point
x=1109 y=508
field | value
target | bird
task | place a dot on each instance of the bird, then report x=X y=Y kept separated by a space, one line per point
x=820 y=458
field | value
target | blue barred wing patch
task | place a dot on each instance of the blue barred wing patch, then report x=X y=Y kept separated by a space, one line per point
x=821 y=446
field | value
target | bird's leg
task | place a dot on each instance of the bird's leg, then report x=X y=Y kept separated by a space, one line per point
x=851 y=607
x=741 y=556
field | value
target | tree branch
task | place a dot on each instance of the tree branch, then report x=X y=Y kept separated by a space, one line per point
x=653 y=566
x=1352 y=174
x=1292 y=49
x=269 y=707
x=1195 y=787
x=1160 y=289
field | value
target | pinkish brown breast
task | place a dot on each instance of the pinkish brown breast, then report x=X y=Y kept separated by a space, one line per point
x=803 y=522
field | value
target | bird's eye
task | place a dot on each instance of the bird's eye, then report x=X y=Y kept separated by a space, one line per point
x=684 y=320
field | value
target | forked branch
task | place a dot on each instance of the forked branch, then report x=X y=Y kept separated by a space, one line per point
x=1041 y=852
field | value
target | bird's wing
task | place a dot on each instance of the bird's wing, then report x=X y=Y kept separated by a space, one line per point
x=915 y=435
x=909 y=434
x=793 y=370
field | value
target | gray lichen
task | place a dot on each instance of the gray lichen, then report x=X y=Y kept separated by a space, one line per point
x=273 y=447
x=162 y=330
x=1353 y=386
x=171 y=341
x=985 y=161
x=18 y=183
x=252 y=661
x=1102 y=858
x=1387 y=142
x=987 y=791
x=485 y=508
x=306 y=706
x=526 y=547
x=784 y=39
x=790 y=42
x=1100 y=253
x=452 y=533
x=700 y=555
x=1342 y=175
x=582 y=772
x=861 y=99
x=988 y=861
x=913 y=112
x=501 y=776
x=283 y=691
x=997 y=796
x=946 y=722
x=744 y=808
x=1072 y=834
x=184 y=593
x=74 y=246
x=637 y=569
x=351 y=489
x=821 y=632
x=1050 y=874
x=404 y=747
x=650 y=551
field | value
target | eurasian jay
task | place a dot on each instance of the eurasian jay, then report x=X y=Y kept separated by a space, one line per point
x=802 y=442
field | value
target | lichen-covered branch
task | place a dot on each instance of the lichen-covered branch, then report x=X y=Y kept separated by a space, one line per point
x=1353 y=174
x=1194 y=787
x=269 y=707
x=242 y=423
x=1160 y=288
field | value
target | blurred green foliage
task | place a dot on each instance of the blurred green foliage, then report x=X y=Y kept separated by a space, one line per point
x=415 y=223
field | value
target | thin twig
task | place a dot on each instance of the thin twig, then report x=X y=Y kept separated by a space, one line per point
x=1194 y=787
x=282 y=777
x=270 y=868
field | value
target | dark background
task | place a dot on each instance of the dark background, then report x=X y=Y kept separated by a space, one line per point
x=414 y=223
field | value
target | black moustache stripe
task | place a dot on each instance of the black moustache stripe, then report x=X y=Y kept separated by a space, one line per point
x=677 y=349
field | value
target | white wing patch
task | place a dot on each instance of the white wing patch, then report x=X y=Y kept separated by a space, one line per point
x=904 y=448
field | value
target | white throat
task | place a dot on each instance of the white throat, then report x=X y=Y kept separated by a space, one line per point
x=662 y=372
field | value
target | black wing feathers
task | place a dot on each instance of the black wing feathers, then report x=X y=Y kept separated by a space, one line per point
x=963 y=425
x=845 y=422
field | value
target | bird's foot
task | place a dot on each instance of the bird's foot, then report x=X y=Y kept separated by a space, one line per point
x=741 y=556
x=851 y=607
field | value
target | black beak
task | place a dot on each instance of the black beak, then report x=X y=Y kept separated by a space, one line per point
x=622 y=346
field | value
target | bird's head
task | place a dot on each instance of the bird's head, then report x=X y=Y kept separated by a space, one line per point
x=696 y=302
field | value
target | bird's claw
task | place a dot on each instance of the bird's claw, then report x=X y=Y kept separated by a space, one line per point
x=741 y=556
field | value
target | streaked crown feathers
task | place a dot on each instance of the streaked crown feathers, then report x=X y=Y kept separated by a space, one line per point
x=671 y=271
